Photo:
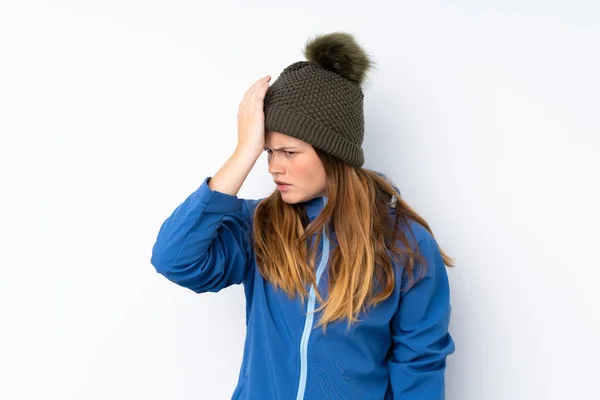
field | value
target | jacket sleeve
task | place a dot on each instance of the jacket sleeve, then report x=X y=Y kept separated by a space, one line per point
x=204 y=245
x=421 y=340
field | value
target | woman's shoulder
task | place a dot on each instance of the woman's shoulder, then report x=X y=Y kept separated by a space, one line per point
x=250 y=205
x=422 y=234
x=418 y=235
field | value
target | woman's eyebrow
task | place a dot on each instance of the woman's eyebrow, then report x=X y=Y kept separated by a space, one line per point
x=282 y=148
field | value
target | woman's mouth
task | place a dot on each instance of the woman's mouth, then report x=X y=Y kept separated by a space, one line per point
x=282 y=186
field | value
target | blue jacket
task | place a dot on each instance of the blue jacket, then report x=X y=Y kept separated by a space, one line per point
x=397 y=351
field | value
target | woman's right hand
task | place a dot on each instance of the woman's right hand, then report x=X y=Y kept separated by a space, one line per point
x=251 y=118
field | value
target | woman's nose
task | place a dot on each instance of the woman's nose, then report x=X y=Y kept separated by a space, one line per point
x=275 y=165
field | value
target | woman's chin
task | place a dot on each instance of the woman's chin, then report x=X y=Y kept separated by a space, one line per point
x=290 y=198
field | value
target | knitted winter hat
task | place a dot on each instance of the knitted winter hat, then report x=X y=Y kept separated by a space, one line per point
x=320 y=101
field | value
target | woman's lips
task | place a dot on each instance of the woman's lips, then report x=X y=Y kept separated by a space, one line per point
x=283 y=186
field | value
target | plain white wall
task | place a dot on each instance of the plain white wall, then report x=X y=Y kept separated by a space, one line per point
x=484 y=113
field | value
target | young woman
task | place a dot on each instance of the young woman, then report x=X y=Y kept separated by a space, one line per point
x=347 y=294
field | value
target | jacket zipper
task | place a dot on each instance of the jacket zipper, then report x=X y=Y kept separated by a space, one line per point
x=308 y=323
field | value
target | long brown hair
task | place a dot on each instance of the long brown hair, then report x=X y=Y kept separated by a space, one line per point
x=361 y=271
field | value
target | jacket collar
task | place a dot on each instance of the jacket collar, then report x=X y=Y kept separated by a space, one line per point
x=314 y=206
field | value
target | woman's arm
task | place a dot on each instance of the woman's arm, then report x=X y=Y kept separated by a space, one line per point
x=205 y=244
x=421 y=341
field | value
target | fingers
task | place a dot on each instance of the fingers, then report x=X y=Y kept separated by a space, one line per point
x=260 y=84
x=262 y=87
x=251 y=129
x=257 y=90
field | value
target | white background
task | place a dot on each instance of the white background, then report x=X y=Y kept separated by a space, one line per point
x=485 y=113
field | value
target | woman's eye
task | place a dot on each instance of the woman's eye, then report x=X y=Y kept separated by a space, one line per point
x=289 y=153
x=268 y=151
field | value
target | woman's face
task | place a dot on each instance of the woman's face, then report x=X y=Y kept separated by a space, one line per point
x=295 y=163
